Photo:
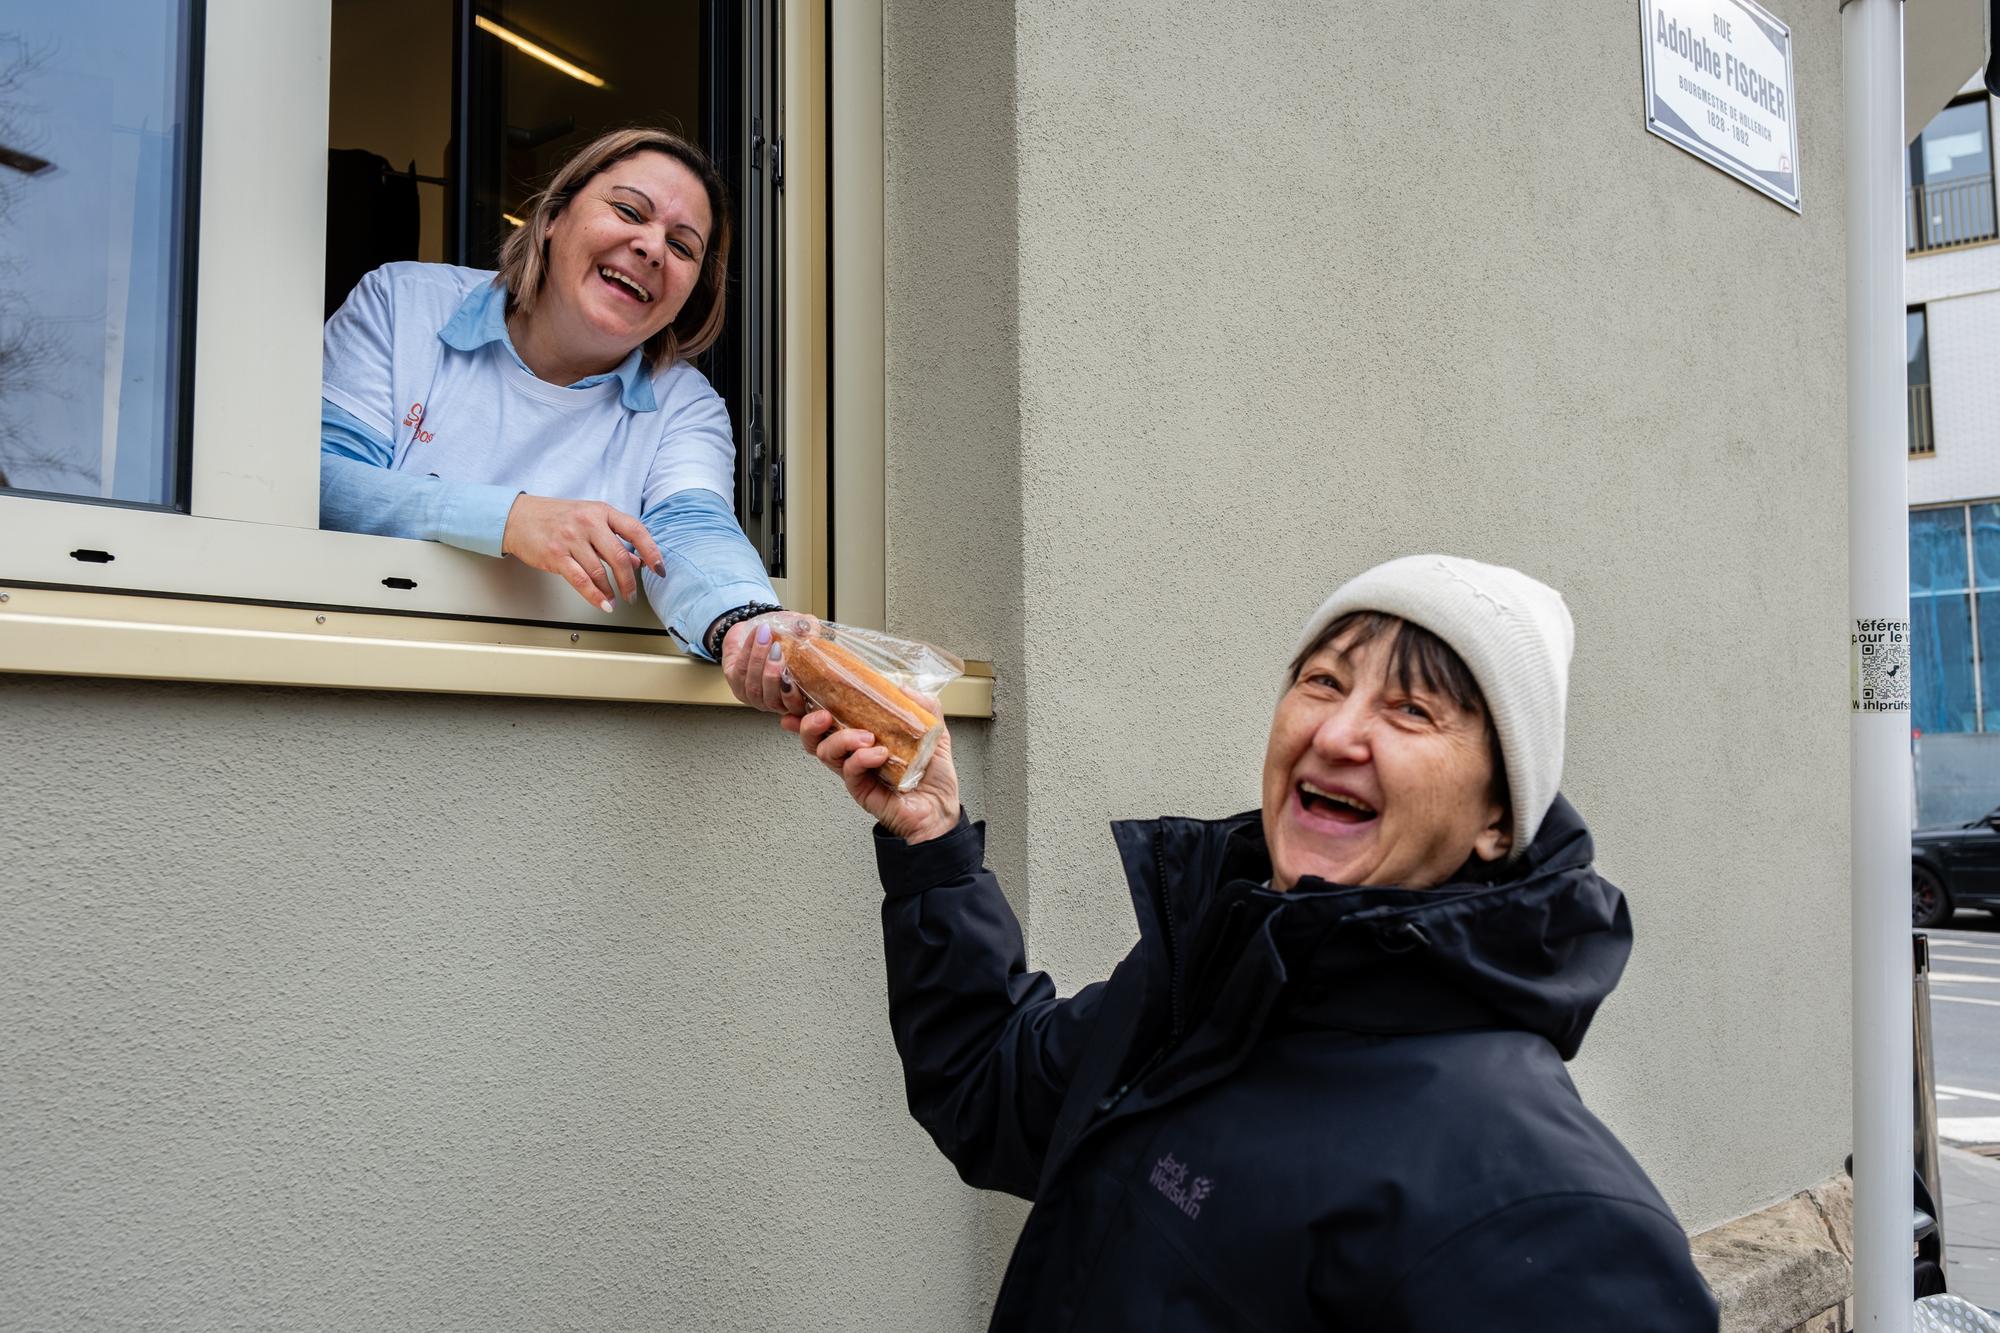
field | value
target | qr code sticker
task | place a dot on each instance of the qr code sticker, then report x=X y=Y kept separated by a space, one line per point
x=1882 y=666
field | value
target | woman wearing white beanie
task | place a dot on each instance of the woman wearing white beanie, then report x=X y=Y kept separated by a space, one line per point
x=1326 y=1087
x=1512 y=633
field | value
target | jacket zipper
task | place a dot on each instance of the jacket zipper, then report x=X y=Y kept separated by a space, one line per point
x=1173 y=945
x=1174 y=1001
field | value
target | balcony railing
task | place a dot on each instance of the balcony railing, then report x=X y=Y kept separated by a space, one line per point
x=1922 y=443
x=1949 y=213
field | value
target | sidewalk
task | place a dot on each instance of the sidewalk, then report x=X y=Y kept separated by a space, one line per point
x=1971 y=1225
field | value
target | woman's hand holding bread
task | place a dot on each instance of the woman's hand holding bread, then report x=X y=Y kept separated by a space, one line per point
x=926 y=811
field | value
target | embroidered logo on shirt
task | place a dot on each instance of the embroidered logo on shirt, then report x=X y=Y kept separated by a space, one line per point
x=1170 y=1179
x=415 y=417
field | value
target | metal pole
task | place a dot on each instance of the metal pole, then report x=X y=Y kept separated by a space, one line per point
x=1926 y=1089
x=1879 y=723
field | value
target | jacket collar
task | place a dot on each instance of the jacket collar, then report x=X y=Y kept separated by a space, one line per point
x=1537 y=949
x=481 y=319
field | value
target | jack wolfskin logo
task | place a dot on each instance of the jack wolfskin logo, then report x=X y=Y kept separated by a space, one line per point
x=1170 y=1179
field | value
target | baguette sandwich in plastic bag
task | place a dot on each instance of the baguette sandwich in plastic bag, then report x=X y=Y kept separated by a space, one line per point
x=864 y=678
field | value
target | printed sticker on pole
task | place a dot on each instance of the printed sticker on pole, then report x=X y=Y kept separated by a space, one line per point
x=1879 y=666
x=1719 y=84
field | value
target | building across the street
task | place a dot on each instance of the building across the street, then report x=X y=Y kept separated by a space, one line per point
x=1952 y=285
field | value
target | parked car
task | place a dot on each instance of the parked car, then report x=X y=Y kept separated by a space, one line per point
x=1952 y=868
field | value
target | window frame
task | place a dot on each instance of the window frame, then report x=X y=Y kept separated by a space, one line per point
x=1919 y=424
x=250 y=535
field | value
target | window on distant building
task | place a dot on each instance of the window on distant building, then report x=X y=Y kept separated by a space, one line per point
x=1922 y=443
x=1950 y=179
x=96 y=141
x=1955 y=617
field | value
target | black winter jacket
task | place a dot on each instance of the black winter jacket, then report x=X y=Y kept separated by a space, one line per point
x=1330 y=1108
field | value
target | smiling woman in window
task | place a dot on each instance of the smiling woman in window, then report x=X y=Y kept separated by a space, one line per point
x=549 y=411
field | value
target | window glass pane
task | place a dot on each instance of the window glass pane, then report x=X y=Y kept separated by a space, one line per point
x=1954 y=143
x=1940 y=623
x=1989 y=665
x=1986 y=548
x=93 y=211
x=1937 y=551
x=1941 y=663
x=1919 y=423
x=1986 y=572
x=1955 y=198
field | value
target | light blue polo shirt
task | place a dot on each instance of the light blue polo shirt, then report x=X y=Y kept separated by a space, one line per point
x=431 y=424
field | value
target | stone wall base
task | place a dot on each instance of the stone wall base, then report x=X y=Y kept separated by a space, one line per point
x=1788 y=1268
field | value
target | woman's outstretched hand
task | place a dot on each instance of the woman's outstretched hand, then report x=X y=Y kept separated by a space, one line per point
x=928 y=810
x=576 y=539
x=754 y=667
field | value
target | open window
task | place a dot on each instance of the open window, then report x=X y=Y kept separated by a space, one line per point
x=440 y=170
x=159 y=400
x=160 y=514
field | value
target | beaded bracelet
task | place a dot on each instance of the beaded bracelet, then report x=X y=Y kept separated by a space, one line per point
x=719 y=628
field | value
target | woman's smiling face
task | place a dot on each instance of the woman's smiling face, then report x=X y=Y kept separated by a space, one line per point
x=623 y=256
x=1366 y=782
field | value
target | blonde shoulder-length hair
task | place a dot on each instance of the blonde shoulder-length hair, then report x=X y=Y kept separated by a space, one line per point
x=524 y=257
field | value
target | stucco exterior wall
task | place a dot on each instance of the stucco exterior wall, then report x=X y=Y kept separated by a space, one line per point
x=420 y=1012
x=1310 y=287
x=952 y=477
x=373 y=1011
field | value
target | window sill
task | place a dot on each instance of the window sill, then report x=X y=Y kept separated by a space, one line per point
x=1954 y=248
x=61 y=632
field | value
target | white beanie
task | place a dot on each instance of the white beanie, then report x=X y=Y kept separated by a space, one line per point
x=1512 y=631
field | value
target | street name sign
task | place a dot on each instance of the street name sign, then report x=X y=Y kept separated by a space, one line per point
x=1719 y=84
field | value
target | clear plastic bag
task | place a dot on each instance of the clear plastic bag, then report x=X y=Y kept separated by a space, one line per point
x=864 y=678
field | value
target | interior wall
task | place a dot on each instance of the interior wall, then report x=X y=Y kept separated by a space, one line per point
x=391 y=77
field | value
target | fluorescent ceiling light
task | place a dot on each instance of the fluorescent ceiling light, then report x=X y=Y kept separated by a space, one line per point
x=513 y=221
x=535 y=49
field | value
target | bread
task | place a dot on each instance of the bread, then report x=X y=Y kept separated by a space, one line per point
x=861 y=697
